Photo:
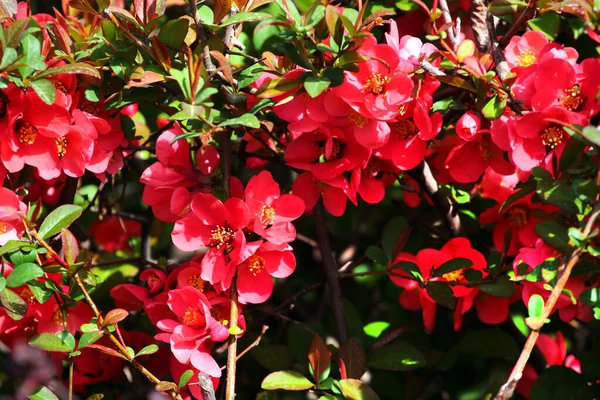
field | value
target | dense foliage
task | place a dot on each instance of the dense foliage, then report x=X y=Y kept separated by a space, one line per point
x=280 y=199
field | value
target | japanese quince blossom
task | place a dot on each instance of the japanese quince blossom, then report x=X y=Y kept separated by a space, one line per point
x=12 y=210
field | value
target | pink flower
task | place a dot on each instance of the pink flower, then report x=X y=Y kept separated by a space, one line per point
x=523 y=51
x=12 y=210
x=216 y=225
x=256 y=273
x=271 y=211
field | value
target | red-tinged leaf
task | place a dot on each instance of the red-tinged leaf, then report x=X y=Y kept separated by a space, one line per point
x=240 y=4
x=258 y=3
x=353 y=357
x=456 y=82
x=115 y=316
x=106 y=350
x=70 y=246
x=378 y=15
x=276 y=87
x=221 y=9
x=139 y=77
x=224 y=65
x=354 y=389
x=122 y=14
x=60 y=38
x=332 y=15
x=161 y=53
x=319 y=357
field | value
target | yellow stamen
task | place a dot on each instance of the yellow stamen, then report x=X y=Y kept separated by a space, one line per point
x=375 y=84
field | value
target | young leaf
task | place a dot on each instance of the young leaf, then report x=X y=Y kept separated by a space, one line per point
x=246 y=17
x=115 y=316
x=185 y=378
x=71 y=69
x=59 y=219
x=354 y=389
x=45 y=90
x=319 y=357
x=286 y=380
x=353 y=359
x=22 y=274
x=535 y=306
x=150 y=349
x=494 y=108
x=70 y=246
x=43 y=393
x=2 y=283
x=398 y=356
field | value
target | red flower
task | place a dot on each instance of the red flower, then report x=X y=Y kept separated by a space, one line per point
x=271 y=211
x=335 y=192
x=415 y=297
x=113 y=233
x=216 y=225
x=11 y=212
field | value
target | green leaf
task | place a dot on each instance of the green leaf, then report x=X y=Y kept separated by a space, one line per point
x=398 y=356
x=375 y=329
x=560 y=383
x=185 y=378
x=286 y=380
x=2 y=283
x=591 y=297
x=115 y=316
x=173 y=32
x=391 y=232
x=45 y=90
x=376 y=254
x=50 y=342
x=535 y=306
x=43 y=393
x=274 y=357
x=71 y=69
x=276 y=87
x=526 y=188
x=494 y=108
x=23 y=273
x=442 y=294
x=88 y=338
x=554 y=234
x=354 y=389
x=502 y=287
x=59 y=219
x=592 y=134
x=452 y=265
x=491 y=343
x=248 y=120
x=13 y=245
x=410 y=268
x=246 y=17
x=150 y=349
x=548 y=24
x=9 y=57
x=15 y=306
x=315 y=85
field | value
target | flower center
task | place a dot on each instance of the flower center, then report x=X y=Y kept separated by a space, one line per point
x=61 y=146
x=197 y=282
x=192 y=317
x=220 y=236
x=517 y=216
x=404 y=129
x=27 y=295
x=57 y=317
x=336 y=150
x=26 y=132
x=218 y=315
x=267 y=216
x=454 y=276
x=89 y=108
x=358 y=119
x=60 y=86
x=3 y=228
x=256 y=264
x=526 y=58
x=572 y=99
x=375 y=84
x=552 y=136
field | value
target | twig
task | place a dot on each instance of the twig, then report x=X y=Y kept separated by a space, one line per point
x=206 y=386
x=433 y=70
x=100 y=319
x=331 y=274
x=453 y=33
x=252 y=345
x=230 y=30
x=563 y=273
x=424 y=176
x=202 y=39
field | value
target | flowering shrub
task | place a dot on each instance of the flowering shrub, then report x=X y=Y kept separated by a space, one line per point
x=197 y=199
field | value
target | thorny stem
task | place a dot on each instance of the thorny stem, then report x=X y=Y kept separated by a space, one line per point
x=563 y=273
x=100 y=320
x=331 y=274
